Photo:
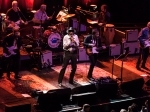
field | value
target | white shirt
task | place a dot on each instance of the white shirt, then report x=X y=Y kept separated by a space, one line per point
x=40 y=15
x=67 y=41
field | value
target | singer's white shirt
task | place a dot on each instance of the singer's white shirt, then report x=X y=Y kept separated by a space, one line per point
x=67 y=40
x=40 y=15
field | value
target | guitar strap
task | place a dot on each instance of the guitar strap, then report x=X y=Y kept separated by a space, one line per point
x=15 y=44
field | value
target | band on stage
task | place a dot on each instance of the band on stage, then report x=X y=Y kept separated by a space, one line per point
x=45 y=34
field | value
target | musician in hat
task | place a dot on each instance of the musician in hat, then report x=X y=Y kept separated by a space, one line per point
x=70 y=47
x=144 y=35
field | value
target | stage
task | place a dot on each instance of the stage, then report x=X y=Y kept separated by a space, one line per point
x=46 y=79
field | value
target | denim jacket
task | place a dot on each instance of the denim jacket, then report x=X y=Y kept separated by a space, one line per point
x=143 y=35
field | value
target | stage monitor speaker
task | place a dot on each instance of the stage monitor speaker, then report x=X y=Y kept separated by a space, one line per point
x=107 y=90
x=63 y=95
x=49 y=102
x=133 y=85
x=18 y=107
x=85 y=98
x=84 y=89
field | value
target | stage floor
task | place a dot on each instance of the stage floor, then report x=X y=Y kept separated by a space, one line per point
x=46 y=79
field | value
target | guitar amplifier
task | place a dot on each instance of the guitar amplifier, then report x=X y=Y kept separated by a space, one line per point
x=46 y=58
x=82 y=54
x=133 y=47
x=115 y=49
x=131 y=35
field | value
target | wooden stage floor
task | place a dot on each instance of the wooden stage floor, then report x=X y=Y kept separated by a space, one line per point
x=46 y=79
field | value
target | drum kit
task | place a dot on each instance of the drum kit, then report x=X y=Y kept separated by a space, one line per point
x=52 y=36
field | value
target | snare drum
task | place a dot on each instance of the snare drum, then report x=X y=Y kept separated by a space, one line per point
x=109 y=32
x=37 y=30
x=54 y=40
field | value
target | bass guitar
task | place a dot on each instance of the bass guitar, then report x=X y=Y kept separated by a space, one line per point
x=11 y=51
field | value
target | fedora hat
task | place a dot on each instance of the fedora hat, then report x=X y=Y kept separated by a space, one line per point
x=71 y=30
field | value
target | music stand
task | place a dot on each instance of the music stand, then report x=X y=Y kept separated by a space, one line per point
x=122 y=57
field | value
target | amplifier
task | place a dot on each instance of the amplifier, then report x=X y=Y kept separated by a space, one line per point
x=46 y=58
x=115 y=49
x=133 y=47
x=131 y=35
x=82 y=54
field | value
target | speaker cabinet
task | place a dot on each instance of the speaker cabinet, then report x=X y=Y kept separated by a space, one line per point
x=63 y=95
x=84 y=89
x=107 y=90
x=132 y=86
x=82 y=54
x=46 y=58
x=18 y=107
x=131 y=35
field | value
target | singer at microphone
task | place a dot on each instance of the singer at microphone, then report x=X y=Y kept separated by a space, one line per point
x=70 y=53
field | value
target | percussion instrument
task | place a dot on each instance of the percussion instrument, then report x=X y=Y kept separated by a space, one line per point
x=54 y=40
x=109 y=32
x=37 y=31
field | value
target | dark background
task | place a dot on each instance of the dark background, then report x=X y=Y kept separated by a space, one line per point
x=122 y=11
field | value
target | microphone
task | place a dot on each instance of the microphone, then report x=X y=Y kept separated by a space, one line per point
x=18 y=9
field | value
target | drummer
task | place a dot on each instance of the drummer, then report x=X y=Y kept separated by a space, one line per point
x=40 y=17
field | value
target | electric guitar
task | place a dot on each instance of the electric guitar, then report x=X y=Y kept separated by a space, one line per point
x=146 y=43
x=94 y=50
x=16 y=25
x=11 y=51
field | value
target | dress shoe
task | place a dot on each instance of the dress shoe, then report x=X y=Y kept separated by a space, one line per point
x=59 y=84
x=91 y=78
x=72 y=82
x=17 y=77
x=144 y=67
x=138 y=68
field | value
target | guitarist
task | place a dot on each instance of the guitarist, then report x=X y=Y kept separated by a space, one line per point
x=144 y=52
x=12 y=56
x=91 y=41
x=14 y=17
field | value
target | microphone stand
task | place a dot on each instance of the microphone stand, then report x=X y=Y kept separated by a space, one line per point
x=21 y=14
x=122 y=57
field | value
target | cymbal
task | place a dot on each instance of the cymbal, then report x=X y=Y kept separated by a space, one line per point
x=69 y=15
x=3 y=14
x=92 y=22
x=33 y=11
